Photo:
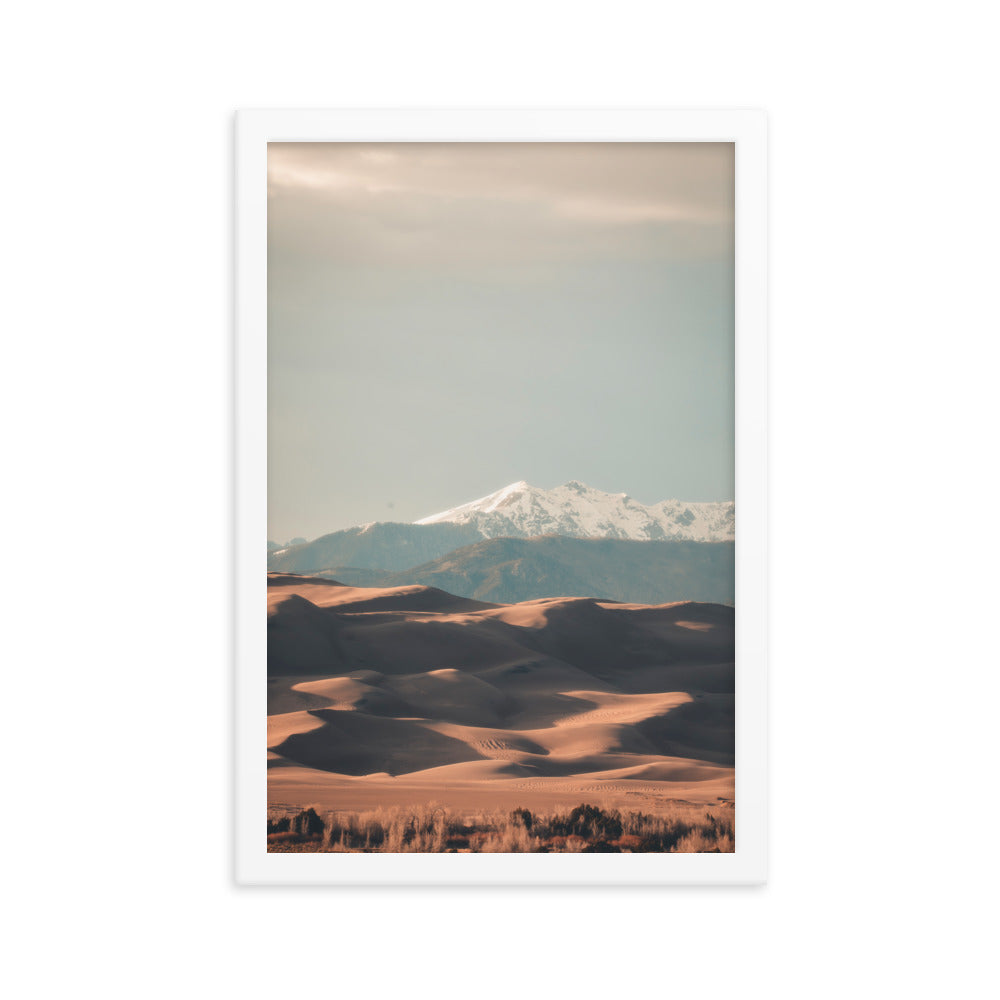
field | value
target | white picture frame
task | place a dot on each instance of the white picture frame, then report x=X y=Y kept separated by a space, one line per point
x=254 y=130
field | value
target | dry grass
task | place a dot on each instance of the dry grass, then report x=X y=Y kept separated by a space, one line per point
x=678 y=829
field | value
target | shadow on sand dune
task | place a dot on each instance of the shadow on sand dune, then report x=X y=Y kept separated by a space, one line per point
x=406 y=680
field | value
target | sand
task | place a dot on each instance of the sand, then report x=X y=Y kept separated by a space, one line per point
x=408 y=695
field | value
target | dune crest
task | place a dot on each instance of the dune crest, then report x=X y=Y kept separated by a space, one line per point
x=389 y=696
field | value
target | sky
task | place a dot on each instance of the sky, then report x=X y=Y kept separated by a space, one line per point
x=448 y=318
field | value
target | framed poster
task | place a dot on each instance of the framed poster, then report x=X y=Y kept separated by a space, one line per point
x=501 y=419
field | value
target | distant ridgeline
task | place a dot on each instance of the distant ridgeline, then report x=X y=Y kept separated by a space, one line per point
x=522 y=543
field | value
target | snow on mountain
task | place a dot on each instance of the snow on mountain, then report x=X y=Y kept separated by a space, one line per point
x=523 y=511
x=274 y=549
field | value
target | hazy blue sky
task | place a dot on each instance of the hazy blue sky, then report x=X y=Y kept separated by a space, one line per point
x=444 y=319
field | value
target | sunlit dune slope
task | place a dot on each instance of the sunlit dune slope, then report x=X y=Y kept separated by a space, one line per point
x=409 y=693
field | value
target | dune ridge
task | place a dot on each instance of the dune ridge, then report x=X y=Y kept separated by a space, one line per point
x=402 y=695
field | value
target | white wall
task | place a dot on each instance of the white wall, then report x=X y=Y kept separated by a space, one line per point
x=116 y=259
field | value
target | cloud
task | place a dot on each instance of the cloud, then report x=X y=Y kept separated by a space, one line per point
x=425 y=202
x=627 y=182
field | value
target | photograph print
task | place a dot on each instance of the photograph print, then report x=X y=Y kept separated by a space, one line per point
x=500 y=498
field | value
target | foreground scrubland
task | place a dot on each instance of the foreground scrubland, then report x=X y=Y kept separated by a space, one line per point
x=681 y=829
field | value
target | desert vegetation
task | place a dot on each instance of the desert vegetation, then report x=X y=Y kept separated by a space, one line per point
x=681 y=829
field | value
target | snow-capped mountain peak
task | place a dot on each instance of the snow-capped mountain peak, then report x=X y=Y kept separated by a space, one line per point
x=523 y=511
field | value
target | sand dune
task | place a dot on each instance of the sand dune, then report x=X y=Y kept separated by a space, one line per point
x=402 y=695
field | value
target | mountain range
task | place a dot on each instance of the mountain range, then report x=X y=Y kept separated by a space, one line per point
x=386 y=545
x=524 y=543
x=580 y=511
x=509 y=570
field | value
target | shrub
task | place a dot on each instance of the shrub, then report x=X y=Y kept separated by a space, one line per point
x=589 y=822
x=307 y=823
x=524 y=816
